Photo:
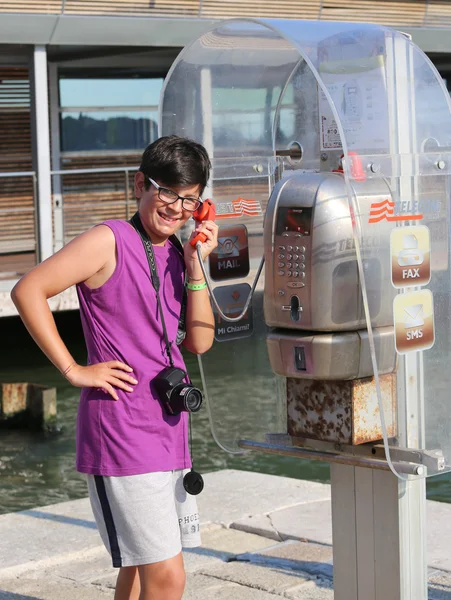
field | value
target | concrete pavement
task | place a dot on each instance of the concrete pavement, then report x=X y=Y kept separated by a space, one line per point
x=263 y=537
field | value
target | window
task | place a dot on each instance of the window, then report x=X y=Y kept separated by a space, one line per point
x=245 y=115
x=108 y=114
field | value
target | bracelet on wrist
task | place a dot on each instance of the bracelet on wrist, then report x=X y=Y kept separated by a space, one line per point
x=195 y=287
x=66 y=371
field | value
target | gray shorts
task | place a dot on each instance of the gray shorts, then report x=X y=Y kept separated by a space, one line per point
x=144 y=519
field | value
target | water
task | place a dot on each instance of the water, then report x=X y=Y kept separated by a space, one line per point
x=38 y=469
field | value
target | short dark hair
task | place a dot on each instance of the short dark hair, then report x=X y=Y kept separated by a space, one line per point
x=175 y=160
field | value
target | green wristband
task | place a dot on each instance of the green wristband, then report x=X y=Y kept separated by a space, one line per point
x=196 y=286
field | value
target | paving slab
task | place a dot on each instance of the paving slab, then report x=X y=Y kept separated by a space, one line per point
x=320 y=589
x=312 y=522
x=210 y=588
x=230 y=495
x=48 y=532
x=274 y=580
x=84 y=570
x=438 y=527
x=314 y=559
x=222 y=545
x=33 y=589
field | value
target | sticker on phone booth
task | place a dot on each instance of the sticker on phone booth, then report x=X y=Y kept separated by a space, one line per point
x=230 y=259
x=231 y=299
x=410 y=249
x=414 y=321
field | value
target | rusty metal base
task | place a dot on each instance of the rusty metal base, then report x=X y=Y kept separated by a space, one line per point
x=341 y=412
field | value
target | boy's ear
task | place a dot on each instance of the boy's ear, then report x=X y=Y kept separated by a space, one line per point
x=139 y=184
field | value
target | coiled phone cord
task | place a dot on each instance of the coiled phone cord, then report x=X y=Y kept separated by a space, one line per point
x=249 y=298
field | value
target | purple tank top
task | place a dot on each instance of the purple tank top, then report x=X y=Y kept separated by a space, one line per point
x=121 y=321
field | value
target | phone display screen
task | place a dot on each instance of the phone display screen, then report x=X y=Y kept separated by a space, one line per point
x=294 y=219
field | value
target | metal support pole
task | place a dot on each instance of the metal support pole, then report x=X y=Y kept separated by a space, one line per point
x=41 y=151
x=207 y=114
x=58 y=206
x=378 y=532
x=127 y=207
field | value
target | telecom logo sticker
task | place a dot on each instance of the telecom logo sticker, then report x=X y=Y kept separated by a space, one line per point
x=238 y=208
x=389 y=211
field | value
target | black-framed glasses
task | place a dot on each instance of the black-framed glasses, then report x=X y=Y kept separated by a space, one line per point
x=189 y=203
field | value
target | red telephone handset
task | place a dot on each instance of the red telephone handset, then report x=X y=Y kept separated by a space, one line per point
x=205 y=212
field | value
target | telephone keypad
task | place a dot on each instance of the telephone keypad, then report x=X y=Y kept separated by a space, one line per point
x=291 y=264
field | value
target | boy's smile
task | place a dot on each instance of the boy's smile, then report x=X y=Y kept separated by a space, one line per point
x=162 y=219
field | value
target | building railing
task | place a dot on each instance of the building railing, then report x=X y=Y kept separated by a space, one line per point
x=82 y=198
x=18 y=222
x=429 y=13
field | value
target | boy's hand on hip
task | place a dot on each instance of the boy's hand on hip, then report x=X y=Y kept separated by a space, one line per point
x=104 y=376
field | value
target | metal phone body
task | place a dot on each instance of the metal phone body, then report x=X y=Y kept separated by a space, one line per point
x=311 y=271
x=330 y=356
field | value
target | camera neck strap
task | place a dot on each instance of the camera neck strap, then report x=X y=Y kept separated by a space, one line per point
x=135 y=221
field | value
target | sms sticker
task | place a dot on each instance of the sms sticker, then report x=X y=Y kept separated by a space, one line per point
x=414 y=321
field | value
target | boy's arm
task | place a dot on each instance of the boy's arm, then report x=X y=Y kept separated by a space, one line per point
x=200 y=325
x=79 y=260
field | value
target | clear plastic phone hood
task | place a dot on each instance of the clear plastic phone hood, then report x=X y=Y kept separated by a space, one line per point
x=330 y=145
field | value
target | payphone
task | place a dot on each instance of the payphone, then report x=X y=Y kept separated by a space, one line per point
x=320 y=169
x=311 y=278
x=314 y=308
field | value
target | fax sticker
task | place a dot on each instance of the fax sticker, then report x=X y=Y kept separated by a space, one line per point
x=410 y=250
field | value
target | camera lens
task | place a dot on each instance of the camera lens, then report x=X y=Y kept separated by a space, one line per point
x=185 y=397
x=193 y=400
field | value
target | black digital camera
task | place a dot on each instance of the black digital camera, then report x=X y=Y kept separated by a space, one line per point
x=175 y=394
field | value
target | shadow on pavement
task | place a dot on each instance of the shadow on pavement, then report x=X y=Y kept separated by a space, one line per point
x=312 y=568
x=13 y=596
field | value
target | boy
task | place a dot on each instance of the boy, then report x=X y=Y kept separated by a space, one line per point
x=134 y=453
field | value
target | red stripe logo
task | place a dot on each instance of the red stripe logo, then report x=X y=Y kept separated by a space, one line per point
x=385 y=211
x=237 y=208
